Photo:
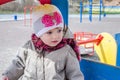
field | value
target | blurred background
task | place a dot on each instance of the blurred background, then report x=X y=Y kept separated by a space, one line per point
x=109 y=6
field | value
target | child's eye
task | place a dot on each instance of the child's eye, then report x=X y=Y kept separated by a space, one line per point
x=59 y=30
x=49 y=32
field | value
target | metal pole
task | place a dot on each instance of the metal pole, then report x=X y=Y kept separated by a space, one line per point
x=90 y=10
x=100 y=13
x=25 y=15
x=81 y=10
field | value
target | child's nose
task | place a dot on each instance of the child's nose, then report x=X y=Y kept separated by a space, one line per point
x=55 y=35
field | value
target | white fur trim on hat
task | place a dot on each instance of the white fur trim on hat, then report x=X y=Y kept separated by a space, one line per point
x=47 y=29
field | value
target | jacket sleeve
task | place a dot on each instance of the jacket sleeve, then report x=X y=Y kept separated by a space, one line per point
x=16 y=69
x=73 y=71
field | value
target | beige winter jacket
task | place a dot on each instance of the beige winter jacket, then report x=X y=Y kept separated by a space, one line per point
x=29 y=64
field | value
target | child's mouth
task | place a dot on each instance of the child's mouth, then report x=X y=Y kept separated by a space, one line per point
x=54 y=41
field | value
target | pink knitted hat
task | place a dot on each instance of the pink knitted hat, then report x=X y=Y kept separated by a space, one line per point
x=45 y=18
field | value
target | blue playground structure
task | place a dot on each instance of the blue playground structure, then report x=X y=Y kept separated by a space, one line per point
x=117 y=38
x=100 y=7
x=90 y=9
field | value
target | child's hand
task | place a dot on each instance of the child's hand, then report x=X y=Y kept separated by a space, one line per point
x=5 y=78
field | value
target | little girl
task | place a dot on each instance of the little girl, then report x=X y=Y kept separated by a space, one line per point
x=49 y=55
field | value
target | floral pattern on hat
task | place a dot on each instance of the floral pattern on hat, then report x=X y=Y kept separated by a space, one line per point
x=50 y=20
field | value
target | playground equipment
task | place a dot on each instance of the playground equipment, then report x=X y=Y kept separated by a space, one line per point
x=92 y=70
x=103 y=44
x=59 y=4
x=107 y=68
x=90 y=9
x=80 y=37
x=30 y=8
x=107 y=49
x=117 y=38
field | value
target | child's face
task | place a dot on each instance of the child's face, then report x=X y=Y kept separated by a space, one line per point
x=52 y=37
